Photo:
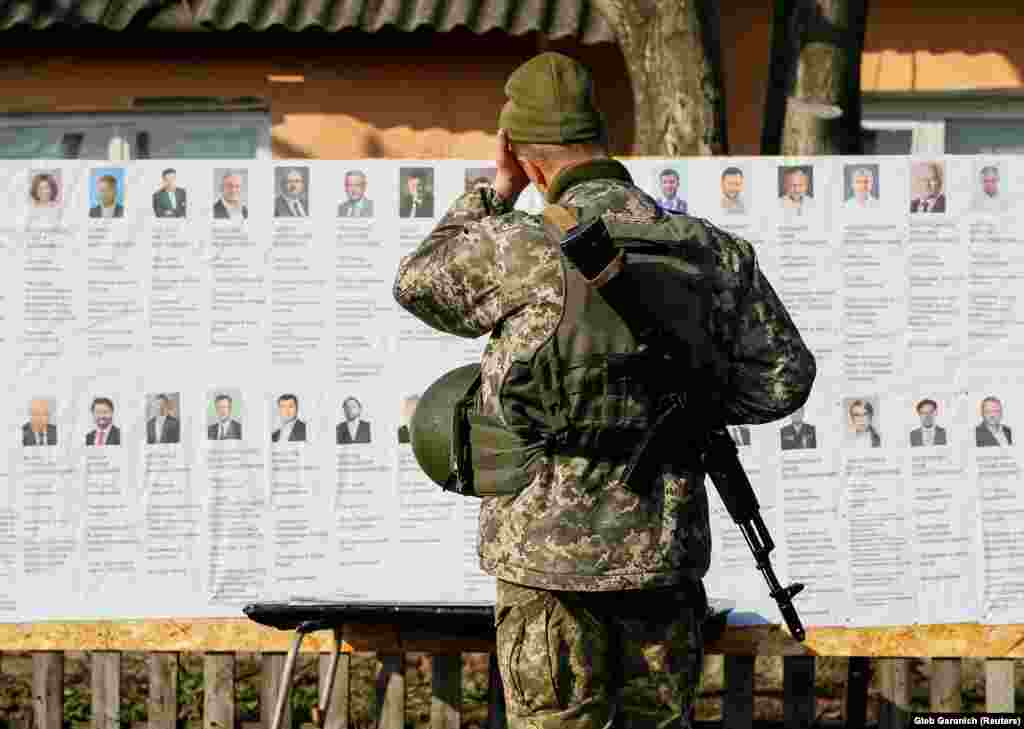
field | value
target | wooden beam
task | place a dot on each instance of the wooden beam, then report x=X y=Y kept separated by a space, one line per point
x=271 y=679
x=800 y=703
x=106 y=689
x=738 y=702
x=945 y=684
x=999 y=686
x=219 y=695
x=496 y=710
x=895 y=684
x=163 y=690
x=391 y=691
x=855 y=694
x=446 y=690
x=338 y=710
x=48 y=689
x=211 y=635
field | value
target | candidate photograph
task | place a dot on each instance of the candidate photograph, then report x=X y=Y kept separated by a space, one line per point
x=39 y=431
x=928 y=433
x=733 y=200
x=406 y=410
x=861 y=431
x=292 y=186
x=106 y=193
x=599 y=569
x=352 y=429
x=170 y=201
x=926 y=192
x=290 y=429
x=44 y=194
x=989 y=196
x=669 y=195
x=796 y=190
x=232 y=190
x=356 y=204
x=105 y=433
x=860 y=187
x=225 y=424
x=477 y=177
x=163 y=424
x=416 y=192
x=991 y=431
x=797 y=435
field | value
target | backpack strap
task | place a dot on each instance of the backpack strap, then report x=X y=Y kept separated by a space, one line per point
x=565 y=219
x=556 y=400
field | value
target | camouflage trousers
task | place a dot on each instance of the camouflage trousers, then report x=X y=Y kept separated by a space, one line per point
x=600 y=660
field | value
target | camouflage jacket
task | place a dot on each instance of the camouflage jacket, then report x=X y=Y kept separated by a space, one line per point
x=575 y=527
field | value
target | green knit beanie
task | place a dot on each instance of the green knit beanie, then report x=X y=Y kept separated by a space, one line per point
x=550 y=102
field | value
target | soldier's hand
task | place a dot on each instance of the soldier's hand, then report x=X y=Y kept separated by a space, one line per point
x=511 y=178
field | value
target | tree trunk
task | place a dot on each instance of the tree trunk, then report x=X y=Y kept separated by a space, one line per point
x=813 y=104
x=671 y=53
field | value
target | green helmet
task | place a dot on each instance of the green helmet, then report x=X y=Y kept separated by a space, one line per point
x=438 y=431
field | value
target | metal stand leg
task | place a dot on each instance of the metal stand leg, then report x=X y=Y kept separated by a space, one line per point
x=289 y=670
x=320 y=712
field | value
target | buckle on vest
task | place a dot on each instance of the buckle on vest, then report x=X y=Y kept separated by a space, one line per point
x=558 y=440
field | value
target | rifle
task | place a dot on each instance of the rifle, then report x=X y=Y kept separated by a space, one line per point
x=643 y=305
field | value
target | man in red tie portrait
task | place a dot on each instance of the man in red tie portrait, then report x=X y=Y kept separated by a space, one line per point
x=105 y=433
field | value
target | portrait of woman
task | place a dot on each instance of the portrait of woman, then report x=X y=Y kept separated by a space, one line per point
x=44 y=198
x=45 y=192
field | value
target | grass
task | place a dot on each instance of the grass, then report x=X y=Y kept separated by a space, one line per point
x=16 y=691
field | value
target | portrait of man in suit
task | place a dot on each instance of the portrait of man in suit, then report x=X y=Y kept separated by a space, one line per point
x=740 y=435
x=861 y=428
x=226 y=427
x=408 y=410
x=38 y=431
x=732 y=191
x=229 y=205
x=357 y=205
x=931 y=199
x=170 y=201
x=293 y=199
x=798 y=435
x=862 y=185
x=797 y=194
x=164 y=427
x=989 y=198
x=106 y=205
x=668 y=192
x=417 y=200
x=292 y=430
x=353 y=429
x=105 y=433
x=991 y=431
x=929 y=434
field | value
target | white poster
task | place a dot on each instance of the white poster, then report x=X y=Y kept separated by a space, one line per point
x=210 y=386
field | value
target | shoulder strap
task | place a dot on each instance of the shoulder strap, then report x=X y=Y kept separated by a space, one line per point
x=556 y=400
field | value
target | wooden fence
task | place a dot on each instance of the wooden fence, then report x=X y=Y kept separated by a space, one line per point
x=737 y=700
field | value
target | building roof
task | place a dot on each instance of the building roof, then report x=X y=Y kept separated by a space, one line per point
x=552 y=18
x=46 y=14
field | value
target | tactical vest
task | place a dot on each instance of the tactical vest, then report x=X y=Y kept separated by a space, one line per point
x=595 y=387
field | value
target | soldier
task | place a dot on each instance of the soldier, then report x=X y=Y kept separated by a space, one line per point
x=600 y=598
